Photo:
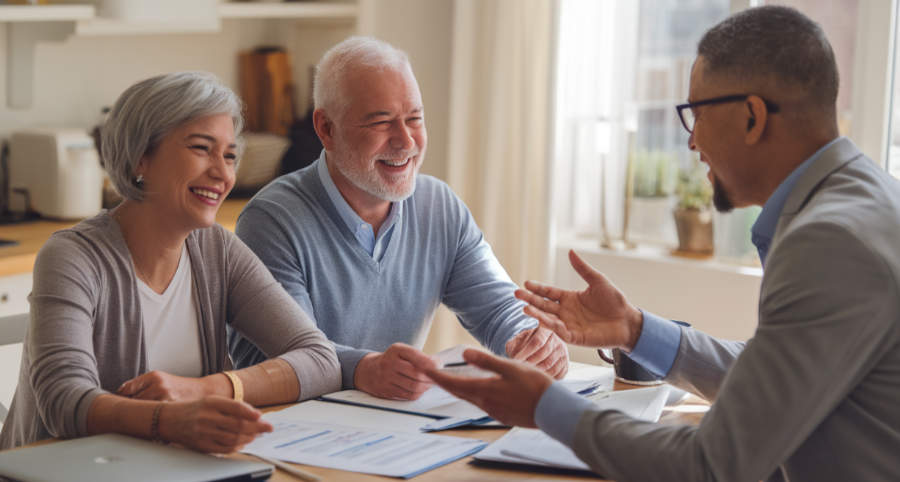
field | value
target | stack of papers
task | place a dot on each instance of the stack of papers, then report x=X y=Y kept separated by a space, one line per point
x=358 y=449
x=362 y=433
x=534 y=447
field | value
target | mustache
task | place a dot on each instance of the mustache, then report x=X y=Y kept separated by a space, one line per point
x=398 y=154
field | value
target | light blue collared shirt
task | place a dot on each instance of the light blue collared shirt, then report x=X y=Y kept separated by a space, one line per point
x=559 y=409
x=764 y=228
x=362 y=230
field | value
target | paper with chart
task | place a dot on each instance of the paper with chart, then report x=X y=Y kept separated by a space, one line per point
x=362 y=417
x=532 y=446
x=366 y=450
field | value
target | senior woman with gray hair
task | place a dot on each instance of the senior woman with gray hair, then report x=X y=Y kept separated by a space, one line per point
x=128 y=309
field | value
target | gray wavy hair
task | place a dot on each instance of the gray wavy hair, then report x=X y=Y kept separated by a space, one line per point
x=149 y=110
x=352 y=52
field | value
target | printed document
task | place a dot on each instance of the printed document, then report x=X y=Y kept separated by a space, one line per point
x=532 y=446
x=371 y=451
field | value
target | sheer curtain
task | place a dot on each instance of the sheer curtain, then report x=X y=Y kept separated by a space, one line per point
x=500 y=125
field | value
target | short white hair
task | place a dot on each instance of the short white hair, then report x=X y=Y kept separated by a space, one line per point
x=351 y=53
x=149 y=110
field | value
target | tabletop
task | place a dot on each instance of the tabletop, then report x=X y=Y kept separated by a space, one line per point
x=688 y=411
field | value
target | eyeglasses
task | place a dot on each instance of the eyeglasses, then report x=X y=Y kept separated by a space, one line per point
x=686 y=111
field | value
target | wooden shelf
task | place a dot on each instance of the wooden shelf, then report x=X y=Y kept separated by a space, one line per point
x=46 y=13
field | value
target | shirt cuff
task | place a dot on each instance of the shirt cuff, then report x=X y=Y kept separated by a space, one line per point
x=349 y=359
x=658 y=344
x=558 y=412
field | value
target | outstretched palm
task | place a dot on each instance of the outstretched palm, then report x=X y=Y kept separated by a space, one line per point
x=598 y=316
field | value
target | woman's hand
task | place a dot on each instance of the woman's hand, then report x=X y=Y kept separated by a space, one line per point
x=157 y=385
x=213 y=424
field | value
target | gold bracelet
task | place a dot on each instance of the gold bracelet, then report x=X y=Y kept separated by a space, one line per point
x=154 y=423
x=236 y=384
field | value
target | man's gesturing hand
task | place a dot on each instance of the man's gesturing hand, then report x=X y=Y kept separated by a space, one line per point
x=599 y=316
x=510 y=397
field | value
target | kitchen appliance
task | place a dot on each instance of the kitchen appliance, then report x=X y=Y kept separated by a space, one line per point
x=58 y=172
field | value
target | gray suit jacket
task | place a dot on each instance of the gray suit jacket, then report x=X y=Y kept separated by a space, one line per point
x=816 y=391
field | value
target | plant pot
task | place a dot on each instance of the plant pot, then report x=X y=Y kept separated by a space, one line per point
x=648 y=219
x=695 y=231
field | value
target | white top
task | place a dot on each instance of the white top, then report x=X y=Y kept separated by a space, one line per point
x=171 y=327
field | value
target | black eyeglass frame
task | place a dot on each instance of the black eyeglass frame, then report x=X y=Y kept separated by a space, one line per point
x=771 y=106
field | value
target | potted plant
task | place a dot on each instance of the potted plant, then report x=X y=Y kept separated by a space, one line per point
x=652 y=180
x=693 y=213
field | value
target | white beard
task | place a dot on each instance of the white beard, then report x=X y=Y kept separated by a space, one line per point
x=370 y=181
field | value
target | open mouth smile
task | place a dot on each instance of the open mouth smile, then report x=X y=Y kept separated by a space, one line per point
x=206 y=195
x=395 y=163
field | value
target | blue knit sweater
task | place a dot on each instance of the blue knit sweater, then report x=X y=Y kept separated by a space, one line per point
x=436 y=254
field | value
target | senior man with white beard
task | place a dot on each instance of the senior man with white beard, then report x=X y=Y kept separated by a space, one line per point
x=369 y=248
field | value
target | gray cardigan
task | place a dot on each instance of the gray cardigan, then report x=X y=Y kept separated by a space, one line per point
x=86 y=333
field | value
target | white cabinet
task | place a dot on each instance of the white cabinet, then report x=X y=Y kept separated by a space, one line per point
x=14 y=294
x=28 y=25
x=13 y=300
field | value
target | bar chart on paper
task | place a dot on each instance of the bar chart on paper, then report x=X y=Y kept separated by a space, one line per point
x=366 y=450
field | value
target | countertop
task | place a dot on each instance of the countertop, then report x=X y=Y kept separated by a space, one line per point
x=31 y=236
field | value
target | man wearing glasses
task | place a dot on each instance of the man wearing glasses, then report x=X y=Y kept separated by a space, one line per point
x=814 y=394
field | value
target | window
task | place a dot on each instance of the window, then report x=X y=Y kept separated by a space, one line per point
x=622 y=65
x=893 y=159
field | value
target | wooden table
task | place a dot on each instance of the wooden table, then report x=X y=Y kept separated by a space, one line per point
x=688 y=411
x=32 y=235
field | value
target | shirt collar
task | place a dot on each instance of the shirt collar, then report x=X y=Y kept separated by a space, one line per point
x=349 y=216
x=764 y=228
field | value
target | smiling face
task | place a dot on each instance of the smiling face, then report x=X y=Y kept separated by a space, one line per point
x=378 y=143
x=191 y=171
x=719 y=137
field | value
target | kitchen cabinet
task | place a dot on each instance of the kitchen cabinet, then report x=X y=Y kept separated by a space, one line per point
x=13 y=300
x=29 y=25
x=14 y=294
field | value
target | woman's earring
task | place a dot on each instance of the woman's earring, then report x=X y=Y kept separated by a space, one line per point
x=139 y=180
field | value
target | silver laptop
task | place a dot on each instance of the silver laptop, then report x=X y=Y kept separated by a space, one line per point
x=118 y=457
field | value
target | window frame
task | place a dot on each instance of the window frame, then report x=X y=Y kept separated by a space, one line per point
x=871 y=93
